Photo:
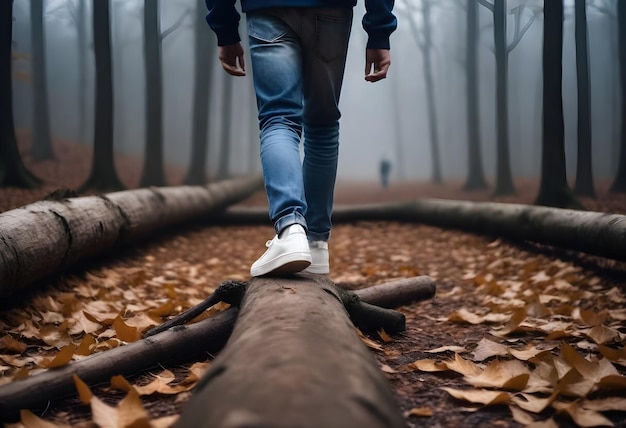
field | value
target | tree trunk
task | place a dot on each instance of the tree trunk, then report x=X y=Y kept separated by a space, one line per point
x=553 y=190
x=42 y=143
x=180 y=345
x=399 y=292
x=475 y=174
x=48 y=236
x=226 y=124
x=12 y=170
x=584 y=170
x=504 y=178
x=430 y=95
x=81 y=37
x=619 y=184
x=153 y=171
x=293 y=359
x=103 y=174
x=204 y=53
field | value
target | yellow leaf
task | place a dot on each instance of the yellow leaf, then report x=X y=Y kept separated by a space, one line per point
x=419 y=411
x=479 y=396
x=31 y=421
x=84 y=393
x=119 y=382
x=62 y=358
x=124 y=331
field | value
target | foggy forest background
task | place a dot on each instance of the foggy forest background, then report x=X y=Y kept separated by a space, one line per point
x=388 y=120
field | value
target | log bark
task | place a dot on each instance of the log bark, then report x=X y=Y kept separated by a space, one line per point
x=48 y=236
x=293 y=359
x=399 y=292
x=596 y=233
x=176 y=345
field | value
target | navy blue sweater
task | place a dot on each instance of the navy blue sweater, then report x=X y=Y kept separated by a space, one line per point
x=379 y=22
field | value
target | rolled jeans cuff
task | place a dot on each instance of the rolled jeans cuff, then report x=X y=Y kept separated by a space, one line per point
x=289 y=219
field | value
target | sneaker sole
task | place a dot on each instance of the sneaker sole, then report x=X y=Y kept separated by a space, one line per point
x=317 y=269
x=284 y=265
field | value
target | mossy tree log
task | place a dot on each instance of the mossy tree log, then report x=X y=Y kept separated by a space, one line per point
x=293 y=359
x=590 y=232
x=48 y=236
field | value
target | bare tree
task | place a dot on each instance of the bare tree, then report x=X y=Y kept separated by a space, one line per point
x=223 y=169
x=554 y=190
x=103 y=174
x=619 y=184
x=12 y=170
x=204 y=51
x=498 y=8
x=584 y=170
x=42 y=142
x=423 y=37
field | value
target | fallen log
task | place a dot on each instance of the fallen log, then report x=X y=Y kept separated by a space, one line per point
x=180 y=343
x=399 y=292
x=293 y=359
x=176 y=345
x=595 y=233
x=48 y=236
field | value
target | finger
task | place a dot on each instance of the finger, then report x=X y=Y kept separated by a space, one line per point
x=232 y=70
x=368 y=67
x=242 y=63
x=379 y=74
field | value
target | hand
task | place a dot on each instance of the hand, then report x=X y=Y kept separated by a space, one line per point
x=231 y=58
x=379 y=60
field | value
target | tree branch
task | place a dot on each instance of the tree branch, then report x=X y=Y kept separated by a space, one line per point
x=519 y=34
x=175 y=25
x=486 y=4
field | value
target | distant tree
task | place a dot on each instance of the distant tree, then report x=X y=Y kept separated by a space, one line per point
x=423 y=38
x=153 y=165
x=223 y=170
x=12 y=170
x=153 y=168
x=42 y=143
x=475 y=173
x=103 y=174
x=584 y=170
x=553 y=190
x=204 y=52
x=498 y=8
x=619 y=184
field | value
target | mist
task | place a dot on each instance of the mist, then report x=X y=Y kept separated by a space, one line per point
x=385 y=120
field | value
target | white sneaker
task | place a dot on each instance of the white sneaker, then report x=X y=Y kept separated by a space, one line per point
x=319 y=257
x=285 y=254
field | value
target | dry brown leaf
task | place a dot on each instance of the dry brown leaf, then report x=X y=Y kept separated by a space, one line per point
x=589 y=317
x=86 y=345
x=532 y=403
x=124 y=331
x=62 y=358
x=385 y=368
x=131 y=412
x=463 y=366
x=487 y=348
x=520 y=416
x=602 y=334
x=517 y=318
x=164 y=422
x=8 y=343
x=543 y=379
x=369 y=342
x=479 y=396
x=384 y=336
x=29 y=420
x=453 y=348
x=586 y=418
x=618 y=356
x=531 y=351
x=429 y=366
x=119 y=382
x=463 y=315
x=613 y=383
x=84 y=393
x=605 y=404
x=419 y=412
x=509 y=375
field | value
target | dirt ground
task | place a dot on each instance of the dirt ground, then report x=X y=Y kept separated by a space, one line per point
x=467 y=269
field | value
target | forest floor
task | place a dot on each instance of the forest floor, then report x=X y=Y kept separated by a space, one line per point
x=517 y=334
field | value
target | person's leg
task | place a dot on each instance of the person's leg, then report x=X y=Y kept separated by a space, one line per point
x=325 y=50
x=277 y=70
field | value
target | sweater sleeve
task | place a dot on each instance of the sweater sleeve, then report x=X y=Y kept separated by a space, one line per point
x=379 y=22
x=223 y=19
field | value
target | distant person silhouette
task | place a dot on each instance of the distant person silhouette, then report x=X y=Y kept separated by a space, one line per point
x=385 y=170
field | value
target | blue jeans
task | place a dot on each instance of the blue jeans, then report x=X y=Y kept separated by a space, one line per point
x=298 y=59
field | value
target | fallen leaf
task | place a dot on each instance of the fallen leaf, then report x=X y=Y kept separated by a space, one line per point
x=479 y=396
x=62 y=358
x=487 y=348
x=429 y=366
x=384 y=336
x=463 y=366
x=124 y=331
x=29 y=420
x=509 y=375
x=84 y=393
x=586 y=418
x=10 y=344
x=419 y=412
x=453 y=348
